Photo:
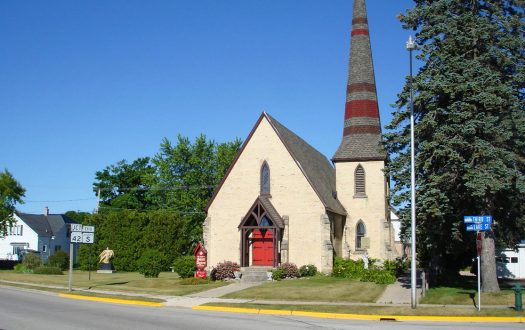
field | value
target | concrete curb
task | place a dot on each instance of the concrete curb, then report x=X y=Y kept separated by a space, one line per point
x=111 y=300
x=365 y=317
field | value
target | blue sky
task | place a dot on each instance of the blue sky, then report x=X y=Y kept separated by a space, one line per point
x=84 y=84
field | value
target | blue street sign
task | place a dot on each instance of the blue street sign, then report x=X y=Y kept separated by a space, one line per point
x=478 y=226
x=477 y=219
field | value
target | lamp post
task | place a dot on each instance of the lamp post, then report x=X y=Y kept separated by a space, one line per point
x=411 y=45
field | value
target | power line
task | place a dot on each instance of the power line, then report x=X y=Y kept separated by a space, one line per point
x=63 y=200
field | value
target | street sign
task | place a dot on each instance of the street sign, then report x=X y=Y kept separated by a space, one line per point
x=477 y=219
x=88 y=238
x=76 y=227
x=76 y=237
x=88 y=229
x=478 y=226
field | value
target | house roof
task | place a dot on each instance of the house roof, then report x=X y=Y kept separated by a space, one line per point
x=315 y=166
x=45 y=225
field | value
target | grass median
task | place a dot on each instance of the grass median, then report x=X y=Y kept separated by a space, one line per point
x=167 y=283
x=380 y=310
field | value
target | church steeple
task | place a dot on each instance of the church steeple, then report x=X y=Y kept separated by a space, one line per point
x=362 y=128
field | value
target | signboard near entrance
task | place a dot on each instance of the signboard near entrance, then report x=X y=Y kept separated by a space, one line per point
x=201 y=256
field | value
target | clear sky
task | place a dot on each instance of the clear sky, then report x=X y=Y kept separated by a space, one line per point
x=84 y=84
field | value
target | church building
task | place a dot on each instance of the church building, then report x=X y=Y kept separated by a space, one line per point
x=283 y=201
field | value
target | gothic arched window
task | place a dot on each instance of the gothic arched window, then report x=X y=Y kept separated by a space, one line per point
x=359 y=179
x=265 y=179
x=360 y=232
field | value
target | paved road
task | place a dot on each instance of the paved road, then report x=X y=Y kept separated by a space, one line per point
x=23 y=309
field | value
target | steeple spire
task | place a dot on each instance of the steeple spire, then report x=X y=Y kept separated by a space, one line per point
x=362 y=127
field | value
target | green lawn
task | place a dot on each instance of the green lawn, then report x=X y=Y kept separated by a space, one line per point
x=381 y=310
x=463 y=290
x=166 y=284
x=318 y=288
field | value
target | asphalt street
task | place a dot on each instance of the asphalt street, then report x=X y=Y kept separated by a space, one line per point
x=26 y=309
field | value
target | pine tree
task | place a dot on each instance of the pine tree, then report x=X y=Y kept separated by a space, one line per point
x=470 y=130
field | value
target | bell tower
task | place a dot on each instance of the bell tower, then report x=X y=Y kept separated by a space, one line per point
x=360 y=159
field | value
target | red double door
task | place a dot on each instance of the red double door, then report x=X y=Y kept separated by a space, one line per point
x=262 y=248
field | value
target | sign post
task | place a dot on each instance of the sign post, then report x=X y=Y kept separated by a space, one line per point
x=79 y=234
x=478 y=223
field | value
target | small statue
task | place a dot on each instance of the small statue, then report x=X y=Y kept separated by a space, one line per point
x=106 y=255
x=365 y=260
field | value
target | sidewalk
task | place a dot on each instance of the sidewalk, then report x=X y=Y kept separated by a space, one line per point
x=399 y=292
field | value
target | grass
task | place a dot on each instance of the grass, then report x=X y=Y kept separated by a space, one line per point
x=166 y=284
x=319 y=288
x=464 y=291
x=386 y=310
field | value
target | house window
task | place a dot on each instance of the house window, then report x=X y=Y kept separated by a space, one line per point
x=359 y=179
x=514 y=260
x=58 y=247
x=16 y=230
x=359 y=234
x=265 y=179
x=44 y=248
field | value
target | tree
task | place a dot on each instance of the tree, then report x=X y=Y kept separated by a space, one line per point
x=126 y=186
x=470 y=130
x=11 y=193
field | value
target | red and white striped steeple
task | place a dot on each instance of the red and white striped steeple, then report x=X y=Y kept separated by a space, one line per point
x=362 y=127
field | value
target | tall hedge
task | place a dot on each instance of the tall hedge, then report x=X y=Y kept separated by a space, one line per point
x=130 y=233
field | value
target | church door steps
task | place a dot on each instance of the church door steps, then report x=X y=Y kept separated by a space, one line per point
x=255 y=274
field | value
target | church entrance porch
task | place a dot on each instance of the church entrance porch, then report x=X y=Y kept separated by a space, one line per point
x=261 y=231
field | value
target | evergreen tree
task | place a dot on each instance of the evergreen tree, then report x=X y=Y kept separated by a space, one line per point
x=470 y=130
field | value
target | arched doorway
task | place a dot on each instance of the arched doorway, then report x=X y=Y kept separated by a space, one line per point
x=260 y=235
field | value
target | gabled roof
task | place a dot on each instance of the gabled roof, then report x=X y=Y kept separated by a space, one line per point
x=45 y=225
x=315 y=166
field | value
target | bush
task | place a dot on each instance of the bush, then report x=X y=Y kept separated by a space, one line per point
x=184 y=266
x=307 y=270
x=21 y=268
x=376 y=273
x=224 y=270
x=194 y=281
x=347 y=268
x=59 y=259
x=151 y=262
x=378 y=276
x=278 y=274
x=46 y=270
x=8 y=264
x=290 y=270
x=32 y=261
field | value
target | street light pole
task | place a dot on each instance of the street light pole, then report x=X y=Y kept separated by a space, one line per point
x=411 y=45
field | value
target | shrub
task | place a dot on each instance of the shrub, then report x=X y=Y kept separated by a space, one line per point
x=8 y=264
x=355 y=269
x=151 y=262
x=307 y=270
x=348 y=268
x=224 y=270
x=21 y=268
x=32 y=261
x=278 y=274
x=59 y=259
x=290 y=270
x=46 y=270
x=194 y=281
x=184 y=266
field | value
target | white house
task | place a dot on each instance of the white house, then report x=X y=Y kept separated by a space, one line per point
x=510 y=263
x=43 y=234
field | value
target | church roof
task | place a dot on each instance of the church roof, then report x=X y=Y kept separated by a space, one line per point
x=362 y=126
x=315 y=166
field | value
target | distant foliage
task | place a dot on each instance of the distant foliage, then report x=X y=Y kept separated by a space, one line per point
x=46 y=270
x=32 y=261
x=225 y=270
x=151 y=263
x=185 y=266
x=307 y=271
x=59 y=259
